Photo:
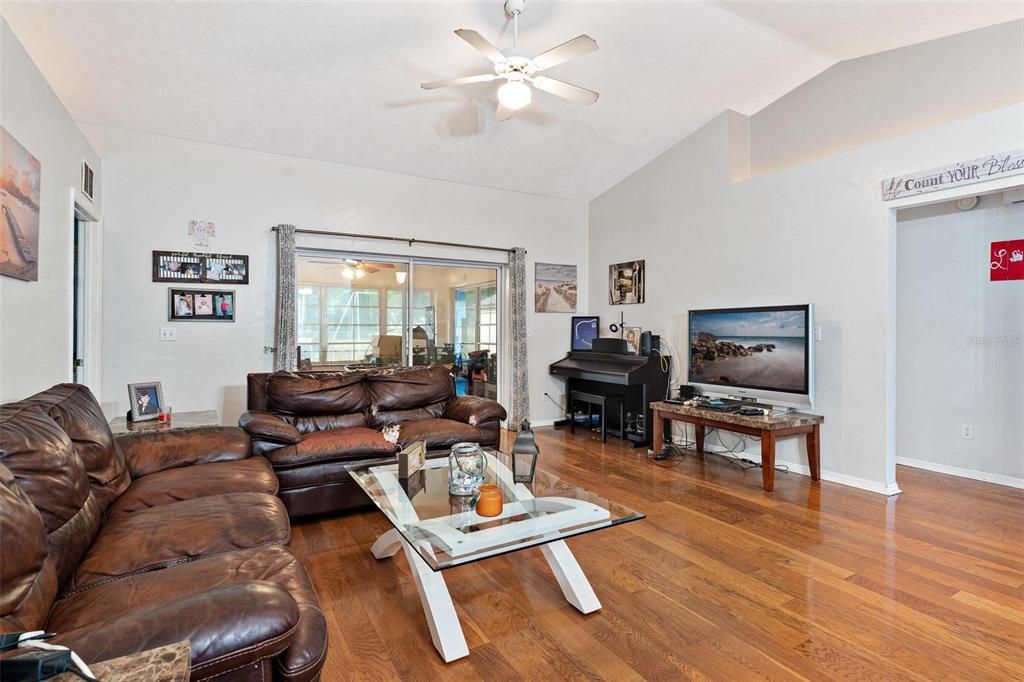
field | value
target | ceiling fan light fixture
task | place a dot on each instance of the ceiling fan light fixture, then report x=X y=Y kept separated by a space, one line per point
x=349 y=272
x=515 y=94
x=400 y=277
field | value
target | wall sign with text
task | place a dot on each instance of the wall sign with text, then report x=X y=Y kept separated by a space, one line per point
x=964 y=173
x=1006 y=260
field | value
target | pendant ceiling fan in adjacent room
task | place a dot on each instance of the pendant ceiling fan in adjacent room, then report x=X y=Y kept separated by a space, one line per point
x=357 y=269
x=519 y=69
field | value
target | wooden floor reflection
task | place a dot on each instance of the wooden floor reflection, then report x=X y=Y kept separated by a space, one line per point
x=722 y=581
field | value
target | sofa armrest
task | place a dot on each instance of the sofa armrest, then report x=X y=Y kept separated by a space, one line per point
x=268 y=426
x=471 y=409
x=229 y=626
x=150 y=451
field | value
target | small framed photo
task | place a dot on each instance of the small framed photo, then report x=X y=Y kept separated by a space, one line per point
x=146 y=400
x=201 y=305
x=632 y=336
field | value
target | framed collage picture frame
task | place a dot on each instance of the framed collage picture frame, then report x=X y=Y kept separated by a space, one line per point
x=183 y=267
x=200 y=305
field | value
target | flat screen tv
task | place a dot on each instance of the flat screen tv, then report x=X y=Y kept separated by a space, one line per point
x=764 y=353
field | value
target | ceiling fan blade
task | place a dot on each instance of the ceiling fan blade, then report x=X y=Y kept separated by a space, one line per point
x=481 y=44
x=481 y=78
x=568 y=91
x=577 y=47
x=503 y=113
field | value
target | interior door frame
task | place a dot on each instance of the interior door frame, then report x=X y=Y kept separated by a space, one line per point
x=501 y=281
x=90 y=234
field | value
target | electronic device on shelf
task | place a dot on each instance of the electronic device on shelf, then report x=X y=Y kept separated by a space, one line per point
x=751 y=412
x=762 y=354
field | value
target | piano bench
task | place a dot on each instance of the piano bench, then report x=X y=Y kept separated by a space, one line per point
x=591 y=399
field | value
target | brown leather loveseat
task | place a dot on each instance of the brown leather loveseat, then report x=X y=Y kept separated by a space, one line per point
x=310 y=425
x=121 y=545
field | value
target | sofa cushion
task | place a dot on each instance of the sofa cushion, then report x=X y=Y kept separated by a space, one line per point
x=327 y=422
x=43 y=461
x=389 y=417
x=27 y=576
x=214 y=634
x=438 y=433
x=252 y=475
x=329 y=446
x=321 y=393
x=409 y=387
x=181 y=531
x=76 y=411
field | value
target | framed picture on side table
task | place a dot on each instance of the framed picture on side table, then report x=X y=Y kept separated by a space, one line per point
x=146 y=400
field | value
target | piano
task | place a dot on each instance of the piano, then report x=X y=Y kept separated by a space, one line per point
x=638 y=379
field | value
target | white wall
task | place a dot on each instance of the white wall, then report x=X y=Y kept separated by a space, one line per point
x=960 y=343
x=155 y=185
x=35 y=317
x=880 y=96
x=816 y=233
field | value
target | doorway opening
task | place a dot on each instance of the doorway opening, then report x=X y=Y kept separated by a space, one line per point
x=380 y=311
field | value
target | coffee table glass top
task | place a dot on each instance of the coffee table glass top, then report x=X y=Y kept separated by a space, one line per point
x=446 y=531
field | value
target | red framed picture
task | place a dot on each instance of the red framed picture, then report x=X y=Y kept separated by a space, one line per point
x=1006 y=260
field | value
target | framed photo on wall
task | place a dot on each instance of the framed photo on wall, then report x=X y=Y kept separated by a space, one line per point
x=201 y=305
x=626 y=283
x=146 y=400
x=554 y=288
x=201 y=268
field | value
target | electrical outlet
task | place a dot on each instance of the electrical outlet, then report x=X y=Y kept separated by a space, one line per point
x=817 y=333
x=168 y=334
x=967 y=431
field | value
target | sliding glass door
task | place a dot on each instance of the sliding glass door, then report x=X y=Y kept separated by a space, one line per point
x=356 y=311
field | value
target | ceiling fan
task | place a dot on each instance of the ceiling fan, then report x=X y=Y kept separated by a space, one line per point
x=357 y=269
x=518 y=68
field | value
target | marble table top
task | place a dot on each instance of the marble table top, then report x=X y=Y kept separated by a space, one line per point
x=766 y=422
x=169 y=663
x=179 y=420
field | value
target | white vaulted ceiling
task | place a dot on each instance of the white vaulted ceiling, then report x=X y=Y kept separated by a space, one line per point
x=340 y=81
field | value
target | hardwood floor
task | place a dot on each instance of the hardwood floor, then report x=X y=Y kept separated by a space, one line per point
x=722 y=581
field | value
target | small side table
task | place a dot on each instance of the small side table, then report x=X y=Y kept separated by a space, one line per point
x=171 y=663
x=766 y=427
x=179 y=420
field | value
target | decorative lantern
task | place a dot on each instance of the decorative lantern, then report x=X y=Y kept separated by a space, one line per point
x=524 y=455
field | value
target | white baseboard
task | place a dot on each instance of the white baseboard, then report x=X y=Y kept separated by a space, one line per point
x=998 y=479
x=804 y=470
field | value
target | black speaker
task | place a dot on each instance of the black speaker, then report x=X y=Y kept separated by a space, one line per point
x=686 y=392
x=649 y=342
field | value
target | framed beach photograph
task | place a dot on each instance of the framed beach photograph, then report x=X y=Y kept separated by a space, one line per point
x=554 y=288
x=146 y=400
x=626 y=283
x=19 y=204
x=201 y=305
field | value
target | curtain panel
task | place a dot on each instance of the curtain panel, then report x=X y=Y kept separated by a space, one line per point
x=520 y=408
x=286 y=341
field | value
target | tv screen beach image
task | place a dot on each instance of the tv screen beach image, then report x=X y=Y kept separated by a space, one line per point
x=755 y=349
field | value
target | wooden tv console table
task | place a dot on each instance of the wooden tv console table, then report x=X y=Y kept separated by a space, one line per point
x=767 y=427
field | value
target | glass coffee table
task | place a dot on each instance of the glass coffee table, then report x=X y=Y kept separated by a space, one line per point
x=438 y=531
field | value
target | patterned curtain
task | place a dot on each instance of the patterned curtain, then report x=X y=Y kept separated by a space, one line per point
x=286 y=356
x=518 y=285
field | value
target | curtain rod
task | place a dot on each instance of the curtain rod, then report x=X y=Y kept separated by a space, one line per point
x=410 y=241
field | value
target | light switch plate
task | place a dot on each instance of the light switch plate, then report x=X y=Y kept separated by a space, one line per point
x=168 y=334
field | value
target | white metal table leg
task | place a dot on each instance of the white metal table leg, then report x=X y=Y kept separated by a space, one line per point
x=445 y=629
x=387 y=544
x=570 y=577
x=443 y=621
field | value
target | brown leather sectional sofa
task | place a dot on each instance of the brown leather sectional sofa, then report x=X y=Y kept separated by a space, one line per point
x=121 y=545
x=309 y=425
